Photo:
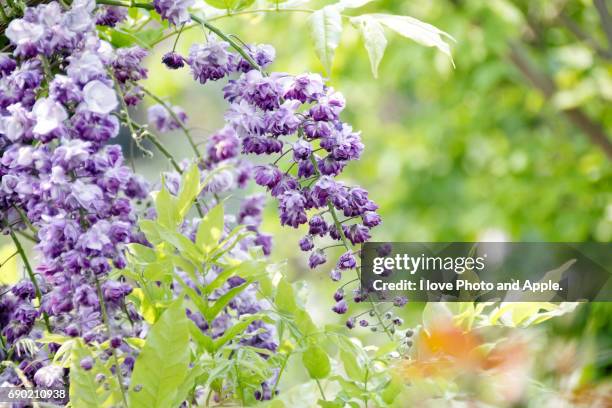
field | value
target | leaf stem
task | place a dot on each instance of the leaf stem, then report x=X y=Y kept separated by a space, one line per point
x=25 y=219
x=280 y=373
x=321 y=390
x=175 y=117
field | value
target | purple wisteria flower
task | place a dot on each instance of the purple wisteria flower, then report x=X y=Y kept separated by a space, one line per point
x=173 y=60
x=175 y=11
x=162 y=120
x=56 y=167
x=210 y=61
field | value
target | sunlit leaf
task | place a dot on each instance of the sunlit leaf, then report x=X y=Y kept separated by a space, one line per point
x=210 y=229
x=85 y=391
x=410 y=27
x=162 y=366
x=9 y=274
x=325 y=30
x=374 y=40
x=316 y=361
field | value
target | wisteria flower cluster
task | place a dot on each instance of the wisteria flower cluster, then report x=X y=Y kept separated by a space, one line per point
x=296 y=117
x=60 y=178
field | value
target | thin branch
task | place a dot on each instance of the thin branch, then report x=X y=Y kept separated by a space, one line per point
x=584 y=36
x=593 y=130
x=606 y=19
x=174 y=116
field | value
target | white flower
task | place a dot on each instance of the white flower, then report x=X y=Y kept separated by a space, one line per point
x=14 y=126
x=24 y=157
x=86 y=194
x=23 y=32
x=99 y=97
x=49 y=376
x=84 y=67
x=49 y=116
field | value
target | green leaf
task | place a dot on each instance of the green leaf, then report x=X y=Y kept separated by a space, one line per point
x=230 y=4
x=166 y=207
x=236 y=330
x=210 y=229
x=149 y=228
x=354 y=370
x=285 y=297
x=409 y=27
x=190 y=189
x=182 y=243
x=224 y=300
x=143 y=253
x=330 y=404
x=245 y=270
x=84 y=390
x=326 y=29
x=373 y=38
x=353 y=3
x=150 y=36
x=162 y=366
x=316 y=361
x=9 y=273
x=203 y=340
x=393 y=388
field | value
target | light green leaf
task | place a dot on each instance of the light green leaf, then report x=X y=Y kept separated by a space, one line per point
x=190 y=189
x=145 y=308
x=326 y=29
x=224 y=300
x=316 y=361
x=9 y=274
x=200 y=338
x=236 y=330
x=245 y=270
x=210 y=229
x=230 y=4
x=150 y=36
x=149 y=228
x=393 y=388
x=84 y=390
x=354 y=370
x=423 y=33
x=166 y=207
x=353 y=3
x=373 y=38
x=162 y=366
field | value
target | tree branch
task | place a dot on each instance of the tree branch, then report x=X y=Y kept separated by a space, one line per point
x=584 y=36
x=606 y=20
x=593 y=130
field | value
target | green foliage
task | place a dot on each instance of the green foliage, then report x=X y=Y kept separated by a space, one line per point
x=316 y=361
x=374 y=39
x=162 y=365
x=85 y=391
x=326 y=29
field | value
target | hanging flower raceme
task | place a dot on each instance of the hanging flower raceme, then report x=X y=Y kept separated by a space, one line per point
x=60 y=176
x=277 y=113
